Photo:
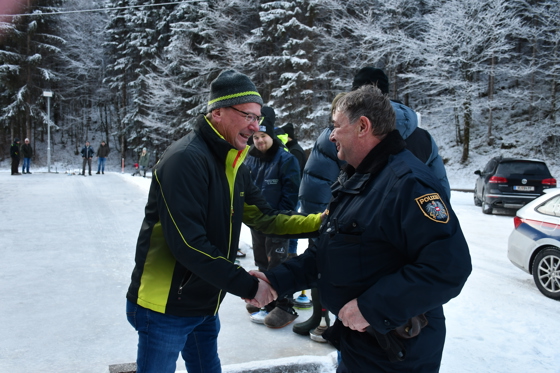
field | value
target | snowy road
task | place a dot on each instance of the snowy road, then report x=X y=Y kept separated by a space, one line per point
x=67 y=248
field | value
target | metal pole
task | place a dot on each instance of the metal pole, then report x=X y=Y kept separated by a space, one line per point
x=49 y=134
x=48 y=95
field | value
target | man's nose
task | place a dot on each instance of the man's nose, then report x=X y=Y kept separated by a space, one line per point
x=331 y=136
x=254 y=126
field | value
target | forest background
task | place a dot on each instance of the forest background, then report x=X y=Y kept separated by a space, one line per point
x=484 y=74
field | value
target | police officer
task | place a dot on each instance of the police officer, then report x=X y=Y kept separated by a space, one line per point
x=391 y=251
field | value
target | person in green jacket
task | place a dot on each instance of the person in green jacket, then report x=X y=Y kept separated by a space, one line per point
x=144 y=160
x=200 y=194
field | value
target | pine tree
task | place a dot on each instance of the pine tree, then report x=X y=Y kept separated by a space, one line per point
x=27 y=58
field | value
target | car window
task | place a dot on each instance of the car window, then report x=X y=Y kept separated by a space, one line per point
x=550 y=207
x=490 y=166
x=522 y=168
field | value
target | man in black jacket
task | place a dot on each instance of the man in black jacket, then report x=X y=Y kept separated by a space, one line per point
x=14 y=154
x=87 y=156
x=391 y=251
x=201 y=192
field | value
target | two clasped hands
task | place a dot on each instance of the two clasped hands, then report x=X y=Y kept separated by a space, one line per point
x=350 y=314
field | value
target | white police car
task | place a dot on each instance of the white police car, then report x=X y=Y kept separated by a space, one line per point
x=534 y=244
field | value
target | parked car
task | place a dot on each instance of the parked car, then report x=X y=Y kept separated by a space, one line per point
x=511 y=183
x=534 y=244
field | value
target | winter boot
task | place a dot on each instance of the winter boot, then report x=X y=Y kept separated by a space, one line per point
x=305 y=327
x=280 y=317
x=317 y=333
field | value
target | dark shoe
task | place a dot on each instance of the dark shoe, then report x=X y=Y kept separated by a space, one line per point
x=29 y=172
x=103 y=173
x=252 y=309
x=97 y=173
x=303 y=328
x=90 y=174
x=241 y=254
x=279 y=318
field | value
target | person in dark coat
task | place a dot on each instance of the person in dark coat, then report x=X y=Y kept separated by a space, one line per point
x=391 y=251
x=87 y=156
x=418 y=140
x=15 y=155
x=293 y=146
x=102 y=154
x=276 y=172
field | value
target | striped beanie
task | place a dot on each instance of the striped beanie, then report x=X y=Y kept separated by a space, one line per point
x=232 y=88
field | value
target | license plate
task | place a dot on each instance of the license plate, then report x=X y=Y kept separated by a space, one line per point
x=524 y=188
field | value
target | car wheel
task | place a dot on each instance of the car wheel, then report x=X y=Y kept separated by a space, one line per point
x=546 y=272
x=486 y=207
x=477 y=201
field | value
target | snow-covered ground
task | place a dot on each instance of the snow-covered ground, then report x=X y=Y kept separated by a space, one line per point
x=67 y=249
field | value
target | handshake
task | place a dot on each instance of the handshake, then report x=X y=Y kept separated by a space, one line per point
x=265 y=293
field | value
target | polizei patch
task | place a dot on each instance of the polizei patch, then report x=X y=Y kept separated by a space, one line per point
x=432 y=206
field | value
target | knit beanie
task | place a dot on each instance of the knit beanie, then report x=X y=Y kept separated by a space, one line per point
x=289 y=129
x=232 y=88
x=267 y=125
x=371 y=75
x=16 y=139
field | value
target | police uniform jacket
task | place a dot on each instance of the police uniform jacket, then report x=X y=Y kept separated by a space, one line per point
x=392 y=241
x=200 y=194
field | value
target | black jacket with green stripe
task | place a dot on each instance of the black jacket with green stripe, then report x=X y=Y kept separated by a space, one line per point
x=200 y=194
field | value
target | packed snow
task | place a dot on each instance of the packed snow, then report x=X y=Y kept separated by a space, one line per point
x=68 y=250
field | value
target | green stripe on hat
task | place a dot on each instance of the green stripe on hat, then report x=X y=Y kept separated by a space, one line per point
x=250 y=93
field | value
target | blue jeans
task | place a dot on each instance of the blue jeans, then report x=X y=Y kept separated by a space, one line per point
x=26 y=163
x=101 y=164
x=162 y=337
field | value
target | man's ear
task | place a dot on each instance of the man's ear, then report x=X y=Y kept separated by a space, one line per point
x=364 y=126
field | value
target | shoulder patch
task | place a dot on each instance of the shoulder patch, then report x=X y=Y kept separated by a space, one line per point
x=433 y=207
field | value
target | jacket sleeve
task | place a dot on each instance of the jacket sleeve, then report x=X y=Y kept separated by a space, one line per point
x=258 y=215
x=183 y=210
x=437 y=260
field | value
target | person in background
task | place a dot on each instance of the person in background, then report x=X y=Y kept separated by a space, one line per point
x=200 y=194
x=276 y=173
x=102 y=154
x=391 y=251
x=14 y=154
x=87 y=156
x=27 y=151
x=144 y=160
x=418 y=140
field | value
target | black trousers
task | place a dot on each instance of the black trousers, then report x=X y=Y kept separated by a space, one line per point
x=15 y=164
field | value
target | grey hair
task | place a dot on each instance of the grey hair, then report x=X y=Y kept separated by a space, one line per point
x=368 y=101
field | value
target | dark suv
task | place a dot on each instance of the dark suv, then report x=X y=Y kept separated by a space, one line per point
x=510 y=183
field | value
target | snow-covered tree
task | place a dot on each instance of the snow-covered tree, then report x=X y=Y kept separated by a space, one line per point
x=27 y=58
